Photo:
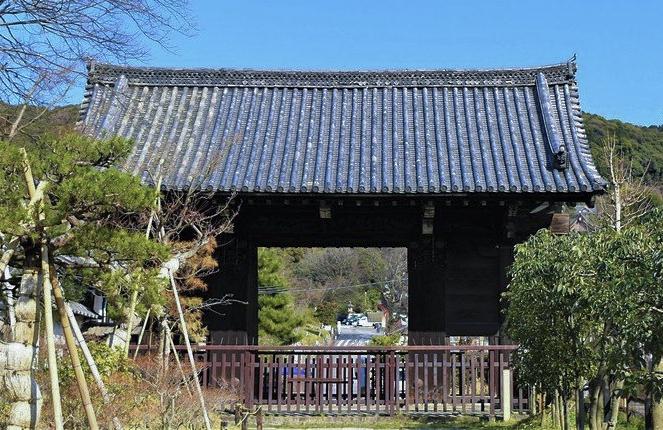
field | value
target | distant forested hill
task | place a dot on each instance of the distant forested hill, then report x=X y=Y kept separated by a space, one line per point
x=643 y=145
x=38 y=121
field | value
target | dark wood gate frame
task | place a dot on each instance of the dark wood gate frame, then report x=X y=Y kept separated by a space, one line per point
x=445 y=379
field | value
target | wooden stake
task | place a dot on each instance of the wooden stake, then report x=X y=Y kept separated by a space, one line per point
x=90 y=361
x=142 y=332
x=192 y=361
x=50 y=338
x=171 y=344
x=73 y=353
x=37 y=201
x=130 y=325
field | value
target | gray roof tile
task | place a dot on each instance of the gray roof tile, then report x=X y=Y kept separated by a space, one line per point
x=517 y=130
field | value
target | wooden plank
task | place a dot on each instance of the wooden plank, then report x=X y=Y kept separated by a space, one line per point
x=250 y=379
x=376 y=383
x=482 y=379
x=435 y=382
x=328 y=388
x=463 y=382
x=367 y=378
x=350 y=381
x=395 y=373
x=416 y=382
x=491 y=383
x=279 y=370
x=239 y=362
x=287 y=380
x=473 y=380
x=223 y=366
x=445 y=380
x=298 y=380
x=408 y=382
x=214 y=360
x=338 y=383
x=307 y=383
x=453 y=382
x=261 y=378
x=318 y=385
x=271 y=382
x=425 y=373
x=499 y=375
x=388 y=388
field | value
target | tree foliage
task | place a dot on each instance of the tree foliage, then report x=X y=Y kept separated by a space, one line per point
x=87 y=216
x=586 y=310
x=642 y=145
x=278 y=321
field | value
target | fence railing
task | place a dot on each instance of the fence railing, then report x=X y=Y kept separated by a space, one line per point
x=464 y=379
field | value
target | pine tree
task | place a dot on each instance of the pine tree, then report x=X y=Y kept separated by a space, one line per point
x=278 y=321
x=75 y=212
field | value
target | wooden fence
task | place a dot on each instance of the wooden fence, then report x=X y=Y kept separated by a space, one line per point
x=467 y=379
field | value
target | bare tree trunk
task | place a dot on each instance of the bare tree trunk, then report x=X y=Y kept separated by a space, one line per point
x=19 y=355
x=73 y=352
x=14 y=128
x=618 y=206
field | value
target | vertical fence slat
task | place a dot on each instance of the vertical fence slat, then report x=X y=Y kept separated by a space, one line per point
x=261 y=378
x=425 y=376
x=416 y=381
x=453 y=382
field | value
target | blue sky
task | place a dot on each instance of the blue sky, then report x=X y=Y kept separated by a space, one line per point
x=619 y=44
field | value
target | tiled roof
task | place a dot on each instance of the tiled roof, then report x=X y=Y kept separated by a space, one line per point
x=516 y=130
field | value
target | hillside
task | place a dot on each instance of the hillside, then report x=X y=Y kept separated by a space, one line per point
x=643 y=145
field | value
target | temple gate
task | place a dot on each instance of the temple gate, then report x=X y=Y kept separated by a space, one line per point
x=456 y=166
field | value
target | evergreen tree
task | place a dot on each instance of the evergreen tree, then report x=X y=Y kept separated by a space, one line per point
x=62 y=203
x=278 y=321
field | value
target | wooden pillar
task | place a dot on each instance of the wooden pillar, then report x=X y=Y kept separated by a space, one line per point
x=426 y=299
x=506 y=394
x=236 y=279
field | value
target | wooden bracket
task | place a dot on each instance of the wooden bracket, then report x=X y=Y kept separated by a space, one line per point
x=325 y=210
x=428 y=219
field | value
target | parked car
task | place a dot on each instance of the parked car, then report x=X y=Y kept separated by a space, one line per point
x=351 y=319
x=363 y=322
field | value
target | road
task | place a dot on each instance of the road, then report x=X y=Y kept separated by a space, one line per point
x=354 y=336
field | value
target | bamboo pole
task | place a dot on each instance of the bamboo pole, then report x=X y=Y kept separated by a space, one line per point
x=171 y=344
x=50 y=338
x=90 y=361
x=73 y=353
x=192 y=361
x=130 y=321
x=37 y=200
x=142 y=332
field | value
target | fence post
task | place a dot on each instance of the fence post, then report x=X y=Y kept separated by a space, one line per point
x=506 y=394
x=249 y=381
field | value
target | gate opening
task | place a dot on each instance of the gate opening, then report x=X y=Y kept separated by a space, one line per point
x=348 y=296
